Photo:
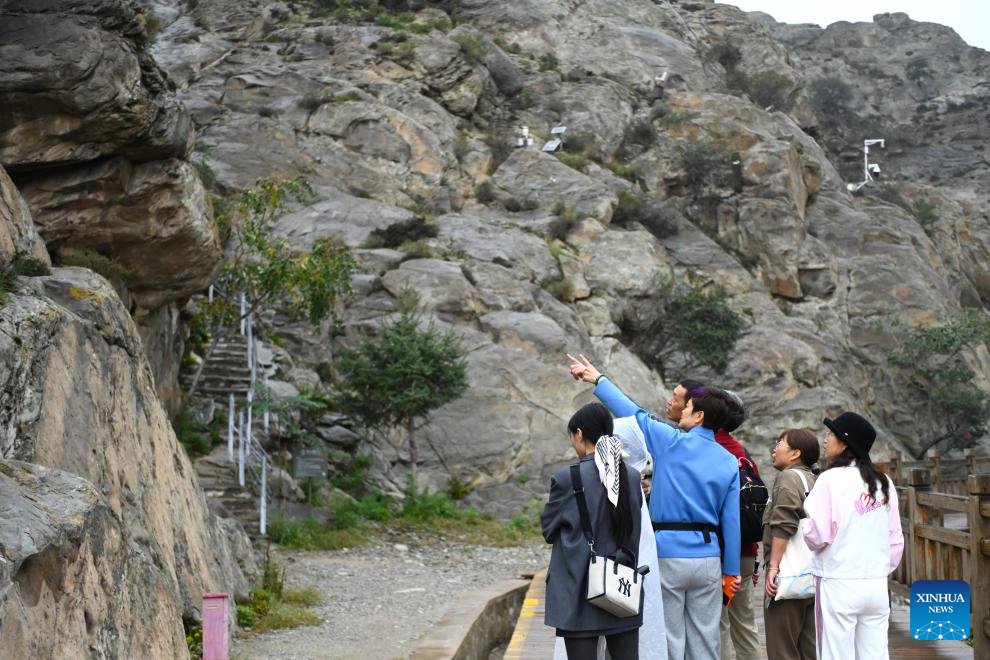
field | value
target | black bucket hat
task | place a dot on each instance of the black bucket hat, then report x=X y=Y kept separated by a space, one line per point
x=853 y=430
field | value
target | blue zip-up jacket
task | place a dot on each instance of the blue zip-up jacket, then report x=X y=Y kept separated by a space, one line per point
x=695 y=480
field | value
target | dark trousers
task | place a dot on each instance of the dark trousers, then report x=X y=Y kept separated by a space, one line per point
x=790 y=629
x=623 y=646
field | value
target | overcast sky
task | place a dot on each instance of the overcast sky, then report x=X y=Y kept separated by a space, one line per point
x=969 y=18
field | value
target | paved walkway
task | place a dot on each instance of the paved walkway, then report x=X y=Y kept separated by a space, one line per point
x=534 y=641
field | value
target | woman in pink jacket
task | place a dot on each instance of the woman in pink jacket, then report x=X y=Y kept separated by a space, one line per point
x=854 y=531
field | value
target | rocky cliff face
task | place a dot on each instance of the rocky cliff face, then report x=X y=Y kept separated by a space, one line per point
x=408 y=116
x=106 y=541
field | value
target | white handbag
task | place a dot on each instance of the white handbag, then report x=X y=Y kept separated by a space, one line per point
x=794 y=578
x=612 y=586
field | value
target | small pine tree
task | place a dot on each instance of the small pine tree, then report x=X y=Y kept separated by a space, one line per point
x=395 y=379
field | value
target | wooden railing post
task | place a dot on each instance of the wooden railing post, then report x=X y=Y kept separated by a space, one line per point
x=934 y=458
x=979 y=533
x=918 y=479
x=969 y=455
x=894 y=463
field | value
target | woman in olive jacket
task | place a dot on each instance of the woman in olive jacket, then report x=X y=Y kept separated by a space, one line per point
x=789 y=624
x=615 y=522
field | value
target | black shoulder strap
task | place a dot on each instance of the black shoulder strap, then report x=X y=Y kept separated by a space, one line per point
x=578 y=485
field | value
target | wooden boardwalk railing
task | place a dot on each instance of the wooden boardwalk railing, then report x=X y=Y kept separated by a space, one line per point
x=947 y=530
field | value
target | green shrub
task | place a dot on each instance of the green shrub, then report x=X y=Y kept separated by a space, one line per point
x=830 y=96
x=549 y=62
x=404 y=231
x=627 y=172
x=703 y=164
x=560 y=288
x=308 y=596
x=659 y=220
x=421 y=506
x=703 y=323
x=640 y=134
x=108 y=267
x=523 y=99
x=768 y=88
x=311 y=534
x=576 y=160
x=245 y=616
x=500 y=145
x=725 y=54
x=567 y=218
x=457 y=490
x=420 y=249
x=924 y=211
x=516 y=205
x=485 y=193
x=205 y=171
x=193 y=436
x=474 y=48
x=25 y=265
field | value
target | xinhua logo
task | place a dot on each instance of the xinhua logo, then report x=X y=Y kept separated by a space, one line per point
x=940 y=609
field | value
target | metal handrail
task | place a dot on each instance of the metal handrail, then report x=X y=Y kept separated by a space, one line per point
x=251 y=458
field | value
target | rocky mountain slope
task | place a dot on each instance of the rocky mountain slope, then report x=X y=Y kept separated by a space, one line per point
x=394 y=116
x=106 y=540
x=414 y=115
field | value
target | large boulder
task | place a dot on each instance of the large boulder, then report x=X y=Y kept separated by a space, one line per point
x=71 y=577
x=18 y=235
x=79 y=397
x=96 y=93
x=142 y=216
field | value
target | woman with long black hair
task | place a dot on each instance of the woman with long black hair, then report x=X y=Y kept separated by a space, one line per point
x=854 y=531
x=614 y=508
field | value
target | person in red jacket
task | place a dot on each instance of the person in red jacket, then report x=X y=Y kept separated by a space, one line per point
x=739 y=619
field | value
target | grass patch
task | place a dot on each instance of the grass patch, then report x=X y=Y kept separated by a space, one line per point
x=516 y=205
x=108 y=267
x=474 y=48
x=561 y=288
x=197 y=439
x=627 y=172
x=311 y=534
x=924 y=211
x=567 y=218
x=576 y=160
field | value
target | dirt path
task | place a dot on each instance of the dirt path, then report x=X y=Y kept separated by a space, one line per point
x=380 y=599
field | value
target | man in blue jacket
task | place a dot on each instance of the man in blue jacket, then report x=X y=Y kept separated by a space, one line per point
x=694 y=506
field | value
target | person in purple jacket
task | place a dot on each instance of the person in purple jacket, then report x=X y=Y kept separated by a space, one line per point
x=694 y=508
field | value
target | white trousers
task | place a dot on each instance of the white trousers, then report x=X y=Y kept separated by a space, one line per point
x=851 y=618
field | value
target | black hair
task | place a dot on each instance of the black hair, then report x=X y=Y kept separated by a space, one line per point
x=868 y=472
x=690 y=385
x=714 y=403
x=595 y=420
x=737 y=412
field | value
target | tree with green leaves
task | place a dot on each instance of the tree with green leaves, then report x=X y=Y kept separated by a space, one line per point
x=266 y=269
x=934 y=358
x=395 y=379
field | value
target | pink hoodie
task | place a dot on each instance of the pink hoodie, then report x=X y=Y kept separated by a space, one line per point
x=852 y=535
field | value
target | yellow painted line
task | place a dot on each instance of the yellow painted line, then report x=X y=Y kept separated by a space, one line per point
x=530 y=617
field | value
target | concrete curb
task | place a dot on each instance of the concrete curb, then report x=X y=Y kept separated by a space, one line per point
x=476 y=621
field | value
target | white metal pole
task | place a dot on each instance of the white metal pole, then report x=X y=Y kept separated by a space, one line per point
x=250 y=399
x=264 y=494
x=266 y=416
x=866 y=162
x=240 y=453
x=210 y=294
x=230 y=429
x=250 y=345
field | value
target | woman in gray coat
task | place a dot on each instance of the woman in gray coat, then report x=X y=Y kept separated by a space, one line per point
x=614 y=507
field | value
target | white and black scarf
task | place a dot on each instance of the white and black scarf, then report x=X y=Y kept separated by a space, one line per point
x=608 y=460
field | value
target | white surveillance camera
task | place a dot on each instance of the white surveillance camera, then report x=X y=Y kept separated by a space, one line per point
x=874 y=168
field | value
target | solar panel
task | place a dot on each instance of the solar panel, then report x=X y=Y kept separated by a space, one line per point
x=551 y=146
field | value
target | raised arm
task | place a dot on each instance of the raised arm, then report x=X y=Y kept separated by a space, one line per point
x=659 y=436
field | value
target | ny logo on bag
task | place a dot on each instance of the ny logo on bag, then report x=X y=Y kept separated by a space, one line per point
x=624 y=586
